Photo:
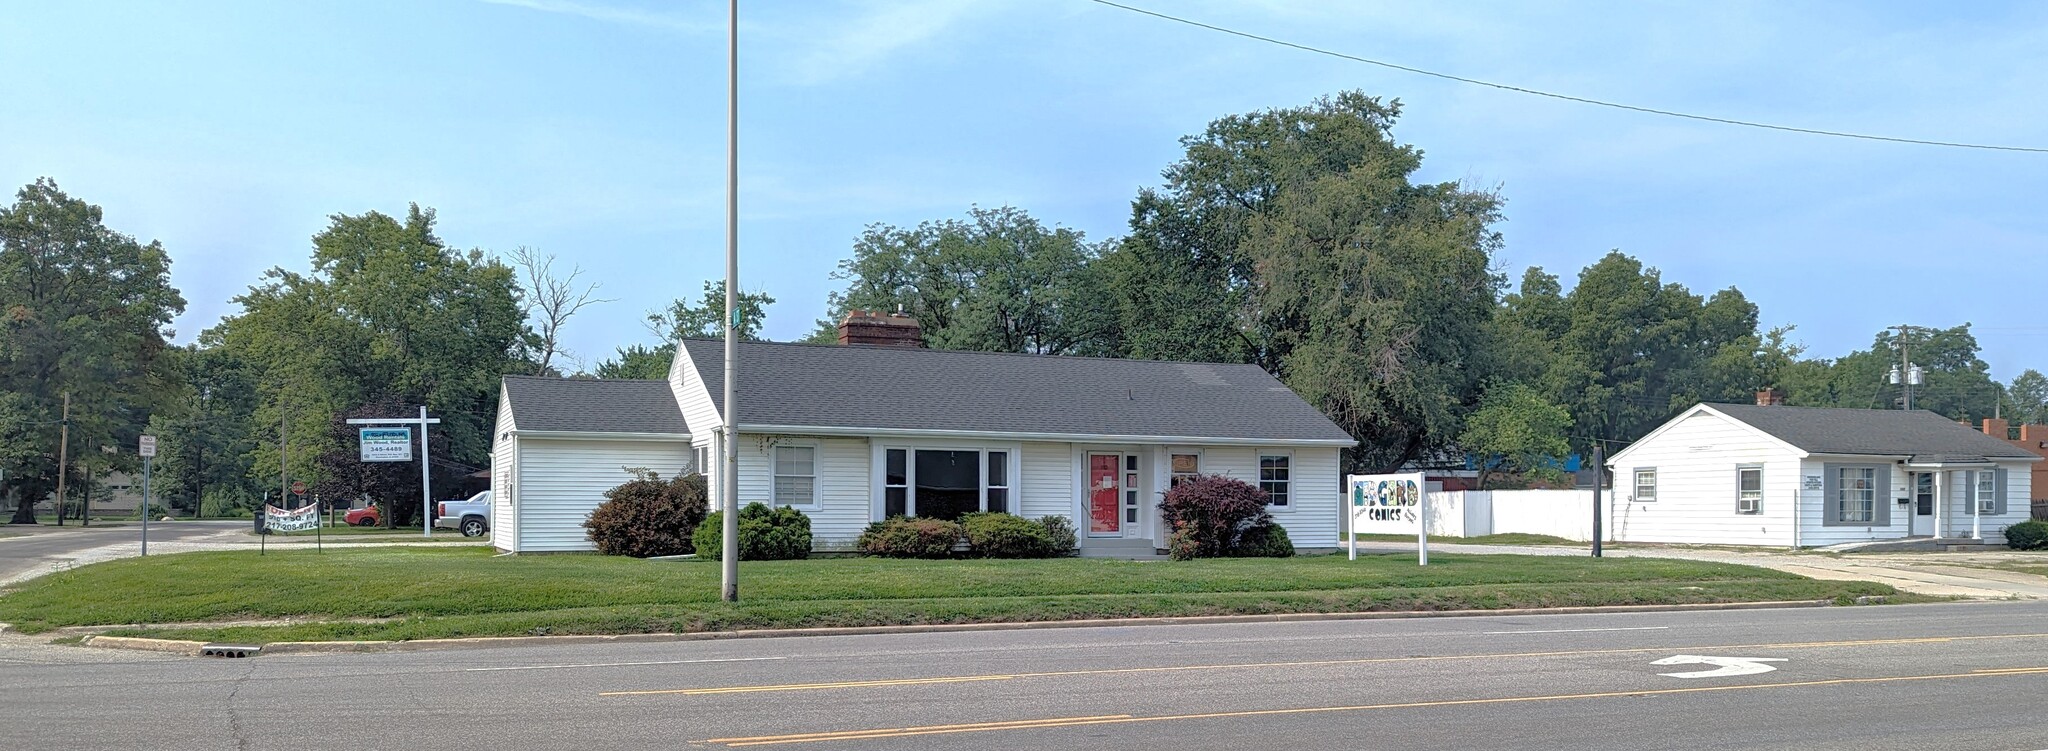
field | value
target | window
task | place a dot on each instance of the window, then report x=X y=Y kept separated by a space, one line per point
x=999 y=482
x=1646 y=485
x=700 y=460
x=1183 y=467
x=1749 y=490
x=1273 y=478
x=1987 y=492
x=1856 y=494
x=1131 y=489
x=796 y=476
x=946 y=483
x=896 y=485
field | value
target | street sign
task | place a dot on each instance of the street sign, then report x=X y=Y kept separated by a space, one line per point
x=299 y=487
x=385 y=444
x=148 y=446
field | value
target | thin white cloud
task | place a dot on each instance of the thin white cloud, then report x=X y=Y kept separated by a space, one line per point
x=612 y=14
x=875 y=32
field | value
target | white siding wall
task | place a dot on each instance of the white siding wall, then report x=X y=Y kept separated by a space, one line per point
x=1695 y=461
x=1313 y=519
x=699 y=412
x=504 y=478
x=844 y=500
x=1955 y=505
x=565 y=479
x=1046 y=477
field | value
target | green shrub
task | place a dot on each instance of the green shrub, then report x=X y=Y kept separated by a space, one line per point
x=647 y=517
x=910 y=537
x=1059 y=531
x=1000 y=535
x=1181 y=546
x=2027 y=535
x=766 y=534
x=1266 y=540
x=1214 y=512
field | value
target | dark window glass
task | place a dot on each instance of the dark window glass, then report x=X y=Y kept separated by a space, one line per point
x=892 y=502
x=948 y=483
x=1131 y=462
x=896 y=475
x=998 y=469
x=999 y=500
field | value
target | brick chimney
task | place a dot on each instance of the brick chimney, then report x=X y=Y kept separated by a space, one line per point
x=1997 y=428
x=1770 y=397
x=880 y=329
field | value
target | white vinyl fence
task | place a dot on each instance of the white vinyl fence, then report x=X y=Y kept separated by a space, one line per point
x=1473 y=513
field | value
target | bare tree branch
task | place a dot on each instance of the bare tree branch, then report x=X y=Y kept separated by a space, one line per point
x=551 y=300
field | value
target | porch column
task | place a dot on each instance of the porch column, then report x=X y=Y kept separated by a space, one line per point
x=1940 y=495
x=1976 y=511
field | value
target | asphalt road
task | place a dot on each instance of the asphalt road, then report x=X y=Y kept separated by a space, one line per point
x=28 y=547
x=1950 y=676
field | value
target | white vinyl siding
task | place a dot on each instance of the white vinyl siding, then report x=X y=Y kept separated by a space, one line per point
x=565 y=479
x=1692 y=464
x=841 y=466
x=505 y=485
x=1046 y=476
x=699 y=412
x=1312 y=514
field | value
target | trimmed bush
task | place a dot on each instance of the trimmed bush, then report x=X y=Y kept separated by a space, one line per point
x=999 y=535
x=910 y=537
x=1214 y=512
x=2027 y=535
x=1181 y=546
x=647 y=517
x=1059 y=531
x=1266 y=540
x=766 y=534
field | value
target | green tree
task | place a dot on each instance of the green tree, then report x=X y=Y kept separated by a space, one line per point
x=1958 y=383
x=705 y=320
x=998 y=281
x=2026 y=398
x=84 y=310
x=203 y=441
x=1515 y=429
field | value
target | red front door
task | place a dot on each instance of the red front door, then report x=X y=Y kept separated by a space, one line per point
x=1105 y=494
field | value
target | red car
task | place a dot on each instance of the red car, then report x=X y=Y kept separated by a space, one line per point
x=362 y=517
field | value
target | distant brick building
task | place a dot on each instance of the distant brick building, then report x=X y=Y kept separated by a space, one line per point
x=2032 y=438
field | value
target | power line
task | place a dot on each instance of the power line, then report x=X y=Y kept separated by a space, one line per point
x=1565 y=97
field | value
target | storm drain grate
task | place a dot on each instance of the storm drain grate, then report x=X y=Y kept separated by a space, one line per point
x=230 y=650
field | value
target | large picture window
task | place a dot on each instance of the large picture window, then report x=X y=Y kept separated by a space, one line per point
x=945 y=483
x=796 y=476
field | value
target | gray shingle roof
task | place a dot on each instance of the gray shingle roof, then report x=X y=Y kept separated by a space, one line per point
x=923 y=389
x=593 y=406
x=1886 y=432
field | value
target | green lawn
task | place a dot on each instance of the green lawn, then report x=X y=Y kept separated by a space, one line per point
x=447 y=592
x=362 y=534
x=1505 y=538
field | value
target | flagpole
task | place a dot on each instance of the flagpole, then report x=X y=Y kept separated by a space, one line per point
x=729 y=460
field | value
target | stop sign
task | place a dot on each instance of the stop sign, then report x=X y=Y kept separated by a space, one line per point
x=299 y=488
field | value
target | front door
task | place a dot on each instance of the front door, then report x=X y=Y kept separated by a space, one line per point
x=1105 y=495
x=1923 y=504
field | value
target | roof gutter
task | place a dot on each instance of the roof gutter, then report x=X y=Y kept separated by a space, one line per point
x=988 y=435
x=598 y=434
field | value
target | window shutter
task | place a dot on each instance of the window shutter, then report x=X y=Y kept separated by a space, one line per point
x=2000 y=491
x=1882 y=496
x=1831 y=484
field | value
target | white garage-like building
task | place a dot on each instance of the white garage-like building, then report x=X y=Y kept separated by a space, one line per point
x=560 y=444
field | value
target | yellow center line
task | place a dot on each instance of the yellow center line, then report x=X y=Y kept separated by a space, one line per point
x=1298 y=664
x=1064 y=722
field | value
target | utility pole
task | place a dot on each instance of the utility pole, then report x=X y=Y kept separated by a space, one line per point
x=729 y=480
x=284 y=446
x=1907 y=375
x=63 y=454
x=1599 y=476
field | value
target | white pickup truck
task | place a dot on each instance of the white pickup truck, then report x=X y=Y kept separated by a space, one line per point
x=472 y=517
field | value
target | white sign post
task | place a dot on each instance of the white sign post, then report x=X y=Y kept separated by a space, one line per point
x=147 y=447
x=426 y=491
x=1388 y=498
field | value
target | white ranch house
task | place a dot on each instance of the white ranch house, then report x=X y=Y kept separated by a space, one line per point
x=1769 y=474
x=856 y=433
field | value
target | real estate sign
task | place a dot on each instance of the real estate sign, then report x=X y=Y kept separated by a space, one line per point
x=296 y=520
x=385 y=444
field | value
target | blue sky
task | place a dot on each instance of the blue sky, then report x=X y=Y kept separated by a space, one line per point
x=593 y=130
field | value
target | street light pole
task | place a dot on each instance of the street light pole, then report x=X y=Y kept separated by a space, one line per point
x=729 y=459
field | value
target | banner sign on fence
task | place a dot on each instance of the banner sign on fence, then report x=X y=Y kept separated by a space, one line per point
x=296 y=520
x=385 y=444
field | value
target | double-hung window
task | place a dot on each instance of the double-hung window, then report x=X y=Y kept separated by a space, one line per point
x=796 y=476
x=945 y=483
x=1275 y=479
x=1987 y=492
x=1646 y=485
x=700 y=460
x=1856 y=494
x=1749 y=490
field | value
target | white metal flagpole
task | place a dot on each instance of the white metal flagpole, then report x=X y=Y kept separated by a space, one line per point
x=426 y=492
x=729 y=460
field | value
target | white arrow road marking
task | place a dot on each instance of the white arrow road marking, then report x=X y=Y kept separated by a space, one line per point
x=1727 y=665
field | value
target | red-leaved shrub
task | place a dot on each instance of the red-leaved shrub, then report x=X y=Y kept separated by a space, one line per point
x=1209 y=513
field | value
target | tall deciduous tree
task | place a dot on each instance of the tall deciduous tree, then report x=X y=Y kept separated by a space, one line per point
x=85 y=310
x=1515 y=428
x=550 y=298
x=2026 y=398
x=705 y=320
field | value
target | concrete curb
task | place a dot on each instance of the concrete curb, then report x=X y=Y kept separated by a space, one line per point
x=173 y=646
x=490 y=642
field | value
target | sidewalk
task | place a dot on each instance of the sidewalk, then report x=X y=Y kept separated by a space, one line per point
x=1938 y=574
x=234 y=537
